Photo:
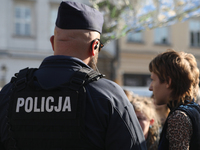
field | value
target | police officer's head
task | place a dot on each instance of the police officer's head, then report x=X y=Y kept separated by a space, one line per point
x=77 y=32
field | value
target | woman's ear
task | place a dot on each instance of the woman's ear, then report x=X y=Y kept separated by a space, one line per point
x=152 y=121
x=52 y=41
x=169 y=82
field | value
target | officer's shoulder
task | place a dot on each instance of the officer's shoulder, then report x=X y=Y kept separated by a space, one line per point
x=108 y=84
x=107 y=88
x=6 y=88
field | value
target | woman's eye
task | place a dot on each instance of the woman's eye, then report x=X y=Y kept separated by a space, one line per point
x=140 y=118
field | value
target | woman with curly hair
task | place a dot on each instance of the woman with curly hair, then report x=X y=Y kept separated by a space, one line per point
x=175 y=82
x=148 y=119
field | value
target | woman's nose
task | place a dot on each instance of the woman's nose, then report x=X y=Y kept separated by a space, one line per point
x=150 y=87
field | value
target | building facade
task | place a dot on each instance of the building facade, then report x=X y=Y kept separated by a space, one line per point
x=138 y=49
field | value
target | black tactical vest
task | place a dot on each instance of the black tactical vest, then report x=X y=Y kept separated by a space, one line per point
x=49 y=118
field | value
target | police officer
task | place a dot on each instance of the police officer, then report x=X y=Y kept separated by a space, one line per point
x=65 y=104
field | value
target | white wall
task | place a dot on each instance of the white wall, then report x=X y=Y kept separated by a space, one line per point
x=13 y=66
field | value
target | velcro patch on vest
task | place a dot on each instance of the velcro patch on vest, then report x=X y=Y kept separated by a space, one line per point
x=45 y=105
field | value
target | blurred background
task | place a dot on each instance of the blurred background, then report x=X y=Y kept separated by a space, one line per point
x=134 y=32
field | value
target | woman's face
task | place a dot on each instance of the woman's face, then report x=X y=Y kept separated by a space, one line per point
x=144 y=123
x=161 y=91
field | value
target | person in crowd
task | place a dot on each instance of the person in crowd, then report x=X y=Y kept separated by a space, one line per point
x=129 y=94
x=148 y=119
x=65 y=103
x=175 y=82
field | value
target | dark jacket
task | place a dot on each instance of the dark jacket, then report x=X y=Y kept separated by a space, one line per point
x=193 y=111
x=110 y=120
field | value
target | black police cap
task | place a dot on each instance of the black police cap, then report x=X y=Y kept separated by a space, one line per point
x=73 y=15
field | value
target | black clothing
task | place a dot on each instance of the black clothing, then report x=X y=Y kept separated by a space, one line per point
x=193 y=111
x=110 y=122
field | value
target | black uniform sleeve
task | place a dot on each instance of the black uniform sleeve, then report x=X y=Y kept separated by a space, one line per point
x=4 y=100
x=124 y=131
x=111 y=118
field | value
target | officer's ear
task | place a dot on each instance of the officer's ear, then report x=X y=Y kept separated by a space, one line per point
x=94 y=47
x=52 y=41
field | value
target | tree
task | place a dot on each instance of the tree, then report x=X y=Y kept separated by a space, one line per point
x=123 y=16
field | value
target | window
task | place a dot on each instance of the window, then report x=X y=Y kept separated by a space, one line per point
x=53 y=19
x=22 y=21
x=135 y=37
x=194 y=26
x=161 y=35
x=137 y=80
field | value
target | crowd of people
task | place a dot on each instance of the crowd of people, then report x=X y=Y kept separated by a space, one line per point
x=148 y=118
x=67 y=104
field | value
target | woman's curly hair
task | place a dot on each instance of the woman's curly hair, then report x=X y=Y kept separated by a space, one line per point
x=147 y=107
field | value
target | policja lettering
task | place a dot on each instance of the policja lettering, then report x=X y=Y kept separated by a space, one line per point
x=31 y=104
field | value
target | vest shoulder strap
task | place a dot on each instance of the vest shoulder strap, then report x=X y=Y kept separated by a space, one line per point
x=80 y=78
x=83 y=77
x=21 y=78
